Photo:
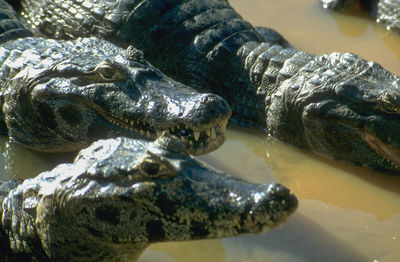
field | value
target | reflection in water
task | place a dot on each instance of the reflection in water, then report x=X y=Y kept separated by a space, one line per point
x=351 y=25
x=391 y=40
x=346 y=213
x=21 y=163
x=336 y=183
x=313 y=29
x=355 y=23
x=190 y=251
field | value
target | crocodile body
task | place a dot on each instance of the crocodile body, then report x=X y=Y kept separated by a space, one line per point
x=386 y=12
x=62 y=95
x=120 y=195
x=338 y=105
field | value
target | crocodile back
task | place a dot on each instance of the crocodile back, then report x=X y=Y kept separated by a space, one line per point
x=10 y=27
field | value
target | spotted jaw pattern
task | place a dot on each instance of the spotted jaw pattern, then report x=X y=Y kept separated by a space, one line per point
x=198 y=141
x=391 y=154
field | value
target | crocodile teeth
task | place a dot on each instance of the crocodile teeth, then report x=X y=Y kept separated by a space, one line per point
x=182 y=139
x=148 y=133
x=222 y=128
x=165 y=132
x=159 y=133
x=196 y=135
x=132 y=123
x=213 y=135
x=208 y=132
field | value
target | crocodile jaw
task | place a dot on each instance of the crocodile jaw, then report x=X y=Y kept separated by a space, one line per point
x=388 y=152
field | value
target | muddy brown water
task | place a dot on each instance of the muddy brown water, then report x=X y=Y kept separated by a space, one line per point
x=346 y=213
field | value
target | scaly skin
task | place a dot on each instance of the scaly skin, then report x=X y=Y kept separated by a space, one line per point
x=62 y=95
x=120 y=195
x=338 y=105
x=386 y=12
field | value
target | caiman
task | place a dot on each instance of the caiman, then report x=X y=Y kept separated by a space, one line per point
x=385 y=12
x=122 y=194
x=59 y=96
x=338 y=104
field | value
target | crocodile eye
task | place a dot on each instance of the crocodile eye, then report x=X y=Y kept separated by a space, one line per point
x=154 y=167
x=391 y=109
x=109 y=72
x=388 y=104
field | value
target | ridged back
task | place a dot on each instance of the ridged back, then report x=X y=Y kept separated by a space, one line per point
x=10 y=27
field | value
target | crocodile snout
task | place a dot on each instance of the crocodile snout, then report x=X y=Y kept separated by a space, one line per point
x=275 y=200
x=215 y=105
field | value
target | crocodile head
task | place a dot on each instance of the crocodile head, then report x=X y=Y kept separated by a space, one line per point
x=354 y=114
x=80 y=91
x=121 y=195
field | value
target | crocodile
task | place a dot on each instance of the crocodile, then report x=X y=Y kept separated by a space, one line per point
x=338 y=105
x=59 y=96
x=122 y=194
x=385 y=12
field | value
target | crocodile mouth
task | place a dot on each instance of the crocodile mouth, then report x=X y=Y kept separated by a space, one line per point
x=197 y=140
x=389 y=153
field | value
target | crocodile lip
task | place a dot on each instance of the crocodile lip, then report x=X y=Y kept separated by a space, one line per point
x=198 y=141
x=388 y=152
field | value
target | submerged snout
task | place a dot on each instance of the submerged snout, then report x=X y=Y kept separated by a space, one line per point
x=273 y=204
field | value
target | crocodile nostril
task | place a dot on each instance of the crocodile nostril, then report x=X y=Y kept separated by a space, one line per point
x=205 y=99
x=215 y=104
x=212 y=112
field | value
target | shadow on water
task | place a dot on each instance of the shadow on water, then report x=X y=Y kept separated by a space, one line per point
x=300 y=239
x=276 y=153
x=352 y=23
x=253 y=156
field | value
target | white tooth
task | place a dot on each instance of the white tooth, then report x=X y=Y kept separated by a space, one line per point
x=141 y=132
x=182 y=138
x=208 y=132
x=158 y=133
x=148 y=133
x=191 y=143
x=196 y=135
x=165 y=132
x=223 y=128
x=173 y=129
x=213 y=135
x=132 y=123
